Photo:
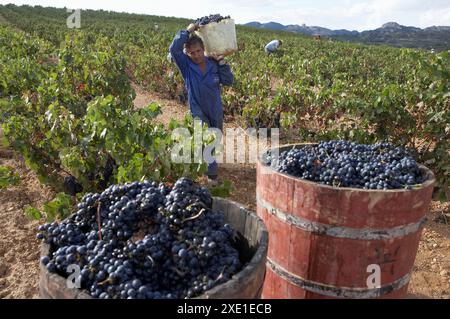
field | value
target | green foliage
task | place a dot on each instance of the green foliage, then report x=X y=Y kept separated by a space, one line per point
x=312 y=90
x=223 y=190
x=77 y=117
x=32 y=213
x=8 y=177
x=58 y=209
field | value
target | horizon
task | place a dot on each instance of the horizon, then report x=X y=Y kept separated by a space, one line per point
x=412 y=26
x=357 y=15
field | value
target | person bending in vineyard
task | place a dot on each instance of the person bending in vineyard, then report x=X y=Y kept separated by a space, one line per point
x=273 y=46
x=203 y=77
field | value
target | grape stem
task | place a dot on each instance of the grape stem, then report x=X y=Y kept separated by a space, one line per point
x=107 y=280
x=179 y=272
x=220 y=275
x=98 y=220
x=198 y=204
x=195 y=216
x=151 y=259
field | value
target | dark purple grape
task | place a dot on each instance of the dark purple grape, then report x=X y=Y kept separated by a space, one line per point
x=344 y=164
x=169 y=262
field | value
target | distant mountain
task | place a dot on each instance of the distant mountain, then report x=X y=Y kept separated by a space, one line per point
x=391 y=33
x=297 y=28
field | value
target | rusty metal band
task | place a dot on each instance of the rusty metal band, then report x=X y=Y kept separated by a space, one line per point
x=340 y=231
x=337 y=292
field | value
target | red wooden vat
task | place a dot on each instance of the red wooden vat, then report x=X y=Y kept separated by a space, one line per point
x=323 y=240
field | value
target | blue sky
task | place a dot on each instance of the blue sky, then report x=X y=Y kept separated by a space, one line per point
x=340 y=14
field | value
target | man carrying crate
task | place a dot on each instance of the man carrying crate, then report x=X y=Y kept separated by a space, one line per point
x=203 y=77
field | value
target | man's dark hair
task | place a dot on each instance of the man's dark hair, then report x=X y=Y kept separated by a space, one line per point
x=193 y=40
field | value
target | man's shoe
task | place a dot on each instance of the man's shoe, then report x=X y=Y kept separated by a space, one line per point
x=213 y=181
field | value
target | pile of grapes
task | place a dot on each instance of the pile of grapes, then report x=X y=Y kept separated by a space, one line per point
x=210 y=19
x=380 y=166
x=144 y=240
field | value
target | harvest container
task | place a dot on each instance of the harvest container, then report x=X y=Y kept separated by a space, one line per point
x=219 y=38
x=252 y=243
x=326 y=242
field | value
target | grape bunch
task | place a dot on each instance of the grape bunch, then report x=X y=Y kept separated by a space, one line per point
x=380 y=166
x=71 y=186
x=210 y=19
x=144 y=241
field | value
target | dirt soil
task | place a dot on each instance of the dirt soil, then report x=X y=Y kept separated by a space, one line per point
x=19 y=250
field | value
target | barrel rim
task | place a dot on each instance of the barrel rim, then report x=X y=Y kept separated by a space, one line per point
x=246 y=272
x=431 y=179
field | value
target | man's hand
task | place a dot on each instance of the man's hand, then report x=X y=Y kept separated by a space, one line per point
x=192 y=27
x=219 y=59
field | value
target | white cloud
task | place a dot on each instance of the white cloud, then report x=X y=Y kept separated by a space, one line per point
x=408 y=12
x=246 y=3
x=435 y=17
x=371 y=14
